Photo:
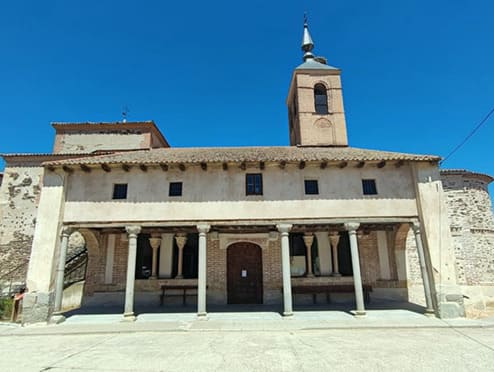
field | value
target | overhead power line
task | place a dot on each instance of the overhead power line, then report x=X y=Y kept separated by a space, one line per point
x=477 y=127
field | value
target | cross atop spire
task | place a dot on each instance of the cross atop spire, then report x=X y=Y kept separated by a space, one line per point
x=307 y=43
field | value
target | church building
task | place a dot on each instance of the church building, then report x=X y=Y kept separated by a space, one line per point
x=312 y=222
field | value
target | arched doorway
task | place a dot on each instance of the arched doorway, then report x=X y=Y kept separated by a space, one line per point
x=244 y=273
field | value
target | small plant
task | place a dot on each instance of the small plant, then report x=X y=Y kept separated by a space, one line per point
x=5 y=307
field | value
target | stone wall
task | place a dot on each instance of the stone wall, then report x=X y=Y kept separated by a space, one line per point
x=472 y=228
x=19 y=198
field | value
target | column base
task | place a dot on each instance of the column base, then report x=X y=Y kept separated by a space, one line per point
x=56 y=318
x=287 y=314
x=430 y=313
x=309 y=276
x=202 y=316
x=128 y=317
x=179 y=277
x=359 y=313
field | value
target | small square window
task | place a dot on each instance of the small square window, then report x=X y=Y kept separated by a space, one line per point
x=253 y=184
x=175 y=189
x=120 y=191
x=369 y=187
x=311 y=187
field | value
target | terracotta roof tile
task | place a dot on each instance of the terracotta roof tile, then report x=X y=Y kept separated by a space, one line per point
x=241 y=154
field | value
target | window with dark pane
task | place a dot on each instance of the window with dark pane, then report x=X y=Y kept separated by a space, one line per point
x=369 y=187
x=175 y=189
x=311 y=187
x=253 y=184
x=321 y=99
x=120 y=191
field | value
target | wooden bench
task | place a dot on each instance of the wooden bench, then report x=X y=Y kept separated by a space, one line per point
x=185 y=290
x=328 y=289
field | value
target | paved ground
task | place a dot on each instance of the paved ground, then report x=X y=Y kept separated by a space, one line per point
x=325 y=341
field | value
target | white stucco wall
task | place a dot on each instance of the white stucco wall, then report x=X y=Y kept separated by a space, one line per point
x=216 y=194
x=88 y=142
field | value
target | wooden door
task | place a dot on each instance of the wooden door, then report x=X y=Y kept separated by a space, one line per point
x=244 y=273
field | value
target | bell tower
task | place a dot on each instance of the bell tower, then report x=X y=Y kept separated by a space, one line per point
x=315 y=102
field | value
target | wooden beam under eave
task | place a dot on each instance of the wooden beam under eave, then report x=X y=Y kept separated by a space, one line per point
x=243 y=166
x=85 y=168
x=181 y=167
x=399 y=163
x=301 y=165
x=143 y=167
x=360 y=164
x=126 y=167
x=282 y=164
x=343 y=164
x=67 y=169
x=225 y=166
x=323 y=165
x=381 y=164
x=106 y=167
x=164 y=167
x=262 y=165
x=204 y=166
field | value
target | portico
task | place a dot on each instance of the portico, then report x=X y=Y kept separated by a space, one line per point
x=214 y=239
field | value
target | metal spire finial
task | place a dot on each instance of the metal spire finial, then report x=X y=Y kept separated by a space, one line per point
x=307 y=43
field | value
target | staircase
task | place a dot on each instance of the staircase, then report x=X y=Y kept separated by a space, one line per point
x=75 y=268
x=14 y=280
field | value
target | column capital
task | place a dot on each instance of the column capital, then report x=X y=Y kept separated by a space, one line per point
x=284 y=228
x=203 y=228
x=415 y=225
x=181 y=240
x=66 y=231
x=334 y=237
x=154 y=242
x=308 y=239
x=133 y=230
x=351 y=226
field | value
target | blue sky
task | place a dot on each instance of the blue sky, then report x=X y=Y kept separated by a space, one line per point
x=417 y=76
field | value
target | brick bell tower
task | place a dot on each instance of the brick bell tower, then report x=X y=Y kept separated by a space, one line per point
x=315 y=102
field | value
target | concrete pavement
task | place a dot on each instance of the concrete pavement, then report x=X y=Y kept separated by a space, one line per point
x=309 y=341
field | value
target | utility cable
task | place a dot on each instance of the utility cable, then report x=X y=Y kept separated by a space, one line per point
x=482 y=122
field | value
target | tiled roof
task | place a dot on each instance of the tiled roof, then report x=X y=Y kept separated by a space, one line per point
x=466 y=172
x=311 y=64
x=244 y=154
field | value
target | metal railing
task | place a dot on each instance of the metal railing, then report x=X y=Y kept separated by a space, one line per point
x=75 y=268
x=11 y=282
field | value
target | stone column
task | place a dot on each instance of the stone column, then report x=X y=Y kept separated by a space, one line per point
x=132 y=232
x=66 y=231
x=154 y=242
x=334 y=238
x=201 y=276
x=181 y=239
x=352 y=227
x=285 y=266
x=308 y=240
x=423 y=268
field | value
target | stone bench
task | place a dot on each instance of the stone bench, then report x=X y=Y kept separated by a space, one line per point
x=328 y=289
x=183 y=291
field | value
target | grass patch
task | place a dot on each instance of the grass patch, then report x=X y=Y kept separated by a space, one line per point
x=6 y=308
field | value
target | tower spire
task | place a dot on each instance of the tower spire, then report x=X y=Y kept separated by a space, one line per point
x=307 y=43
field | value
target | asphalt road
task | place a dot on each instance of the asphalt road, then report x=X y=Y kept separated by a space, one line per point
x=447 y=349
